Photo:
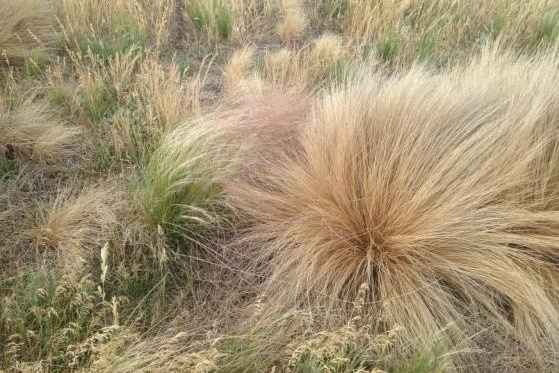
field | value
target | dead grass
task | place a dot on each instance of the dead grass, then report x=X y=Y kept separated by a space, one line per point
x=30 y=130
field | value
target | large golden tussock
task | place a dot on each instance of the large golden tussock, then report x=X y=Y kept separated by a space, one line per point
x=438 y=190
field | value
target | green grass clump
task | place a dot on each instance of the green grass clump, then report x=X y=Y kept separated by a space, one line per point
x=212 y=18
x=110 y=46
x=62 y=98
x=177 y=203
x=388 y=48
x=223 y=22
x=425 y=47
x=8 y=169
x=44 y=318
x=548 y=28
x=98 y=101
x=120 y=36
x=178 y=191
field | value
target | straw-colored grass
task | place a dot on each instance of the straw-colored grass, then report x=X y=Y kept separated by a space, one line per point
x=29 y=130
x=293 y=22
x=437 y=190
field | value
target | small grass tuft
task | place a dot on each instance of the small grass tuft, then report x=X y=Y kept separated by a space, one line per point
x=293 y=23
x=223 y=22
x=73 y=228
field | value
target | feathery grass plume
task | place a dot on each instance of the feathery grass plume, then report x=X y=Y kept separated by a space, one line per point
x=179 y=189
x=440 y=190
x=26 y=28
x=267 y=121
x=28 y=130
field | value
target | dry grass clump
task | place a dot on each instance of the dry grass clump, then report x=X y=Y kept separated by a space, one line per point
x=26 y=28
x=438 y=190
x=236 y=68
x=293 y=20
x=328 y=47
x=29 y=130
x=74 y=228
x=287 y=67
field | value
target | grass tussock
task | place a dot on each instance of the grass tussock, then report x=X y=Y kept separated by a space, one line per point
x=179 y=189
x=438 y=190
x=237 y=68
x=328 y=47
x=293 y=22
x=29 y=130
x=74 y=228
x=27 y=27
x=177 y=216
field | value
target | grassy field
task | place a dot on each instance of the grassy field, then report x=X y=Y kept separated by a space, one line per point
x=279 y=186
